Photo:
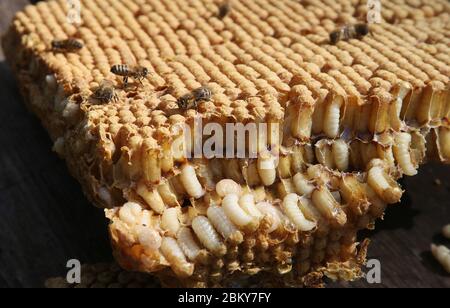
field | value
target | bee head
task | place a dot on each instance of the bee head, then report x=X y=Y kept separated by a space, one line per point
x=334 y=37
x=362 y=29
x=183 y=102
x=144 y=71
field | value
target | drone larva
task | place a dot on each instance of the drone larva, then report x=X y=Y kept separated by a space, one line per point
x=168 y=194
x=302 y=185
x=130 y=212
x=190 y=182
x=247 y=203
x=177 y=260
x=402 y=155
x=187 y=242
x=151 y=197
x=271 y=212
x=341 y=154
x=293 y=212
x=223 y=225
x=382 y=184
x=228 y=186
x=149 y=238
x=170 y=221
x=328 y=206
x=236 y=214
x=332 y=117
x=266 y=168
x=208 y=236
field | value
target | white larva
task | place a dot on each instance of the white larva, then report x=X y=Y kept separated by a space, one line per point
x=170 y=221
x=293 y=212
x=266 y=168
x=220 y=221
x=168 y=194
x=332 y=117
x=302 y=185
x=327 y=205
x=130 y=212
x=148 y=238
x=228 y=186
x=247 y=203
x=376 y=178
x=446 y=231
x=208 y=236
x=442 y=254
x=269 y=210
x=341 y=154
x=177 y=260
x=236 y=214
x=151 y=197
x=401 y=153
x=167 y=159
x=190 y=182
x=187 y=242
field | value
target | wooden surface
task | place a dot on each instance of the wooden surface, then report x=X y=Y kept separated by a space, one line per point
x=45 y=219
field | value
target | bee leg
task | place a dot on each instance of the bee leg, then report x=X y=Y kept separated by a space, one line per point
x=125 y=81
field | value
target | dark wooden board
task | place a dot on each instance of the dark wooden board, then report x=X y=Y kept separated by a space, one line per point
x=45 y=220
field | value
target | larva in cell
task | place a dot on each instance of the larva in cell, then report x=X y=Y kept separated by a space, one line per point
x=223 y=225
x=151 y=197
x=302 y=185
x=236 y=214
x=150 y=161
x=269 y=210
x=382 y=184
x=227 y=186
x=187 y=242
x=266 y=168
x=295 y=215
x=191 y=182
x=130 y=212
x=341 y=154
x=149 y=238
x=247 y=203
x=328 y=206
x=332 y=117
x=176 y=258
x=402 y=142
x=208 y=236
x=170 y=221
x=167 y=193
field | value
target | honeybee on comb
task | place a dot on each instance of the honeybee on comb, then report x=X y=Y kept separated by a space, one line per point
x=191 y=100
x=136 y=72
x=347 y=32
x=69 y=45
x=106 y=92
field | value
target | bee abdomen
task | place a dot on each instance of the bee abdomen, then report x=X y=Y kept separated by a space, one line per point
x=120 y=69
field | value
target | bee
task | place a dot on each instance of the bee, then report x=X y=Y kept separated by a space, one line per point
x=224 y=10
x=348 y=32
x=138 y=73
x=191 y=100
x=106 y=92
x=69 y=45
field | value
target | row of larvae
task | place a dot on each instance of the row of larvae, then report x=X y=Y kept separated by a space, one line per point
x=333 y=116
x=219 y=219
x=404 y=154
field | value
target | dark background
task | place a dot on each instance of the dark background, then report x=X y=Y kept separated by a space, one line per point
x=45 y=220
